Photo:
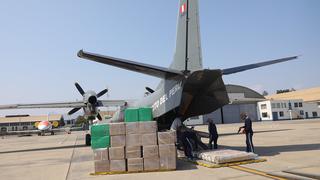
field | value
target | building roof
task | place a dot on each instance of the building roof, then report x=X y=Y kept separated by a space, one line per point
x=52 y=117
x=248 y=93
x=307 y=95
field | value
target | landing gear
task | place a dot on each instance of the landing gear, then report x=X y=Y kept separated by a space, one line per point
x=52 y=133
x=88 y=140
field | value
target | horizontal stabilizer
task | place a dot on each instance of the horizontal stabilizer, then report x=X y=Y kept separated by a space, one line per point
x=152 y=70
x=256 y=65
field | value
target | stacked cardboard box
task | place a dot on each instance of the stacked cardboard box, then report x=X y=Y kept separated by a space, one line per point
x=117 y=149
x=101 y=160
x=167 y=150
x=135 y=147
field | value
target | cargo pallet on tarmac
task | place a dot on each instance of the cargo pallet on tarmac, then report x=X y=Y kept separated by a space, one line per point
x=131 y=172
x=207 y=164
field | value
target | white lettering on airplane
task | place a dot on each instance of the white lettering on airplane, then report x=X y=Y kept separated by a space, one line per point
x=165 y=97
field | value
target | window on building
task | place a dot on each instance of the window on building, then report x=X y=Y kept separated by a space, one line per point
x=295 y=104
x=284 y=105
x=300 y=104
x=314 y=114
x=273 y=105
x=265 y=114
x=278 y=105
x=301 y=112
x=290 y=106
x=281 y=114
x=263 y=106
x=3 y=129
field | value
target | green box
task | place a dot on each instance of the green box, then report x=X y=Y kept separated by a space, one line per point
x=100 y=142
x=131 y=115
x=145 y=114
x=100 y=130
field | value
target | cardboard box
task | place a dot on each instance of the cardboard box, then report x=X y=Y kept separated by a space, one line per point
x=167 y=150
x=132 y=128
x=133 y=140
x=148 y=127
x=118 y=141
x=135 y=165
x=168 y=163
x=116 y=153
x=167 y=137
x=151 y=164
x=117 y=129
x=150 y=151
x=133 y=152
x=101 y=154
x=117 y=165
x=101 y=166
x=149 y=139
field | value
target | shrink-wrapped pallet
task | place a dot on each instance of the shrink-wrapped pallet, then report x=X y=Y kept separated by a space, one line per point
x=151 y=164
x=225 y=156
x=167 y=137
x=148 y=127
x=133 y=140
x=118 y=141
x=116 y=153
x=101 y=154
x=149 y=139
x=133 y=151
x=135 y=164
x=118 y=165
x=150 y=151
x=117 y=129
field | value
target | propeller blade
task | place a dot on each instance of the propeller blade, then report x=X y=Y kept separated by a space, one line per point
x=101 y=93
x=73 y=111
x=81 y=91
x=99 y=117
x=149 y=90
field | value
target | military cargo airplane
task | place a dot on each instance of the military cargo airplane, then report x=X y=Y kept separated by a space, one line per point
x=186 y=89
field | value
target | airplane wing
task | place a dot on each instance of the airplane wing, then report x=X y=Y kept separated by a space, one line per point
x=107 y=103
x=148 y=69
x=256 y=65
x=76 y=104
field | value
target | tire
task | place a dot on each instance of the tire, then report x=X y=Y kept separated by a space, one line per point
x=52 y=133
x=88 y=140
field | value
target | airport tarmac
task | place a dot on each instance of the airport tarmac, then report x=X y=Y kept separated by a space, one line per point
x=291 y=146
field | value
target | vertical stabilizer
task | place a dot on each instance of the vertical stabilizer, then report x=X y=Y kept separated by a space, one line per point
x=188 y=56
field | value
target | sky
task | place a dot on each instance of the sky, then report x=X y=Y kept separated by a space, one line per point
x=39 y=41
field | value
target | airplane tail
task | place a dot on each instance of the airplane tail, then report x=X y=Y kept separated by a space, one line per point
x=188 y=57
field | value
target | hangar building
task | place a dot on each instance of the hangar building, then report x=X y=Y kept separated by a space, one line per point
x=24 y=122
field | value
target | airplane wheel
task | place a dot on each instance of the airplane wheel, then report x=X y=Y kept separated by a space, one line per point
x=88 y=140
x=52 y=133
x=39 y=134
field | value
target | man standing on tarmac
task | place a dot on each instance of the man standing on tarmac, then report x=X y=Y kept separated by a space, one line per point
x=213 y=134
x=247 y=129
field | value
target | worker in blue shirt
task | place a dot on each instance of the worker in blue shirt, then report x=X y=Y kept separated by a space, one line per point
x=247 y=129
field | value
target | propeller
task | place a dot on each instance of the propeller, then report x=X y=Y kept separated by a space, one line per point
x=92 y=99
x=81 y=91
x=149 y=90
x=101 y=93
x=72 y=111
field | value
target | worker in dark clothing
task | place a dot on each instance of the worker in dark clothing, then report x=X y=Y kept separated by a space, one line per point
x=183 y=137
x=213 y=134
x=247 y=129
